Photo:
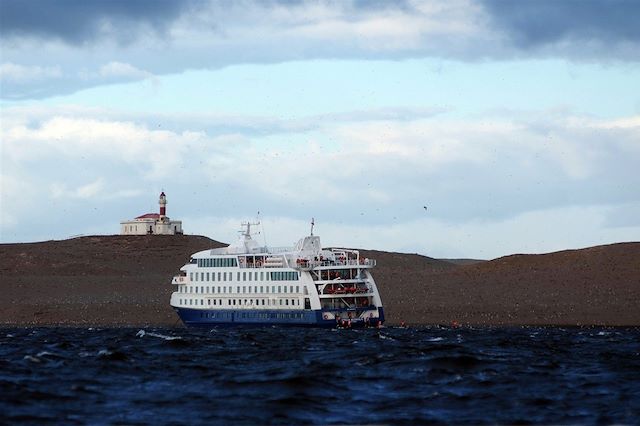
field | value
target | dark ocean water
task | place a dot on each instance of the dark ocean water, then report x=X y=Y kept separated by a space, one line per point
x=300 y=376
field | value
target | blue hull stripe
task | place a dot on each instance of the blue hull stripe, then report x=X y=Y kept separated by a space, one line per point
x=300 y=317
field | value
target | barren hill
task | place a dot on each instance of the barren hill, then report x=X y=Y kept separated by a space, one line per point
x=124 y=280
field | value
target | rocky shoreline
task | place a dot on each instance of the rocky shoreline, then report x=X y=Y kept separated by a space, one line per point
x=125 y=281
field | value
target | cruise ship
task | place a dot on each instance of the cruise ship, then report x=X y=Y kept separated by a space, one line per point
x=304 y=285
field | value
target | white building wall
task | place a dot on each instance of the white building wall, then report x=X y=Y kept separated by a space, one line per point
x=169 y=228
x=136 y=227
x=142 y=226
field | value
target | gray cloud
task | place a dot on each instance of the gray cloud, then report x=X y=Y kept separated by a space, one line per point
x=544 y=22
x=170 y=36
x=80 y=21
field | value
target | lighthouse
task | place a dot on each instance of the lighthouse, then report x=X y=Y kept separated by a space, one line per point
x=152 y=223
x=163 y=205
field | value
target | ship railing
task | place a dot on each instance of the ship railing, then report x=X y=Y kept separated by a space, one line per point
x=311 y=264
x=261 y=265
x=359 y=306
x=342 y=281
x=347 y=289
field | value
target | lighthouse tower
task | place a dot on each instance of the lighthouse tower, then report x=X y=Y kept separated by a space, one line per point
x=152 y=223
x=163 y=205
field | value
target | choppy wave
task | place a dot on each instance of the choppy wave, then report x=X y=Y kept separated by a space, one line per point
x=292 y=376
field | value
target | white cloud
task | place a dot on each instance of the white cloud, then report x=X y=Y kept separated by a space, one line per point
x=86 y=191
x=21 y=74
x=483 y=177
x=160 y=151
x=117 y=71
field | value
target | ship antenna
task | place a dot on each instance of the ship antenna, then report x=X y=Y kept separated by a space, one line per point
x=264 y=236
x=312 y=223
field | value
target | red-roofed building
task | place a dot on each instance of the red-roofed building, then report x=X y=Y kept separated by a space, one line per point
x=152 y=223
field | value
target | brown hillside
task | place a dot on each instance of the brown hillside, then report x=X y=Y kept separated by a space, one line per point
x=117 y=279
x=124 y=280
x=594 y=286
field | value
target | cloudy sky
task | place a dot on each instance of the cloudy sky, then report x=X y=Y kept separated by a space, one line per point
x=516 y=124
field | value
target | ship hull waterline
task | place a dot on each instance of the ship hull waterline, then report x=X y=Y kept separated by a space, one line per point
x=282 y=318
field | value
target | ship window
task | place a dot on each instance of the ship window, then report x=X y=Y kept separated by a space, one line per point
x=244 y=289
x=286 y=302
x=261 y=276
x=279 y=289
x=262 y=302
x=196 y=289
x=201 y=276
x=202 y=289
x=249 y=276
x=290 y=289
x=280 y=302
x=219 y=276
x=273 y=289
x=238 y=289
x=244 y=276
x=207 y=276
x=208 y=289
x=261 y=289
x=209 y=301
x=190 y=276
x=201 y=301
x=255 y=276
x=297 y=289
x=238 y=277
x=191 y=301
